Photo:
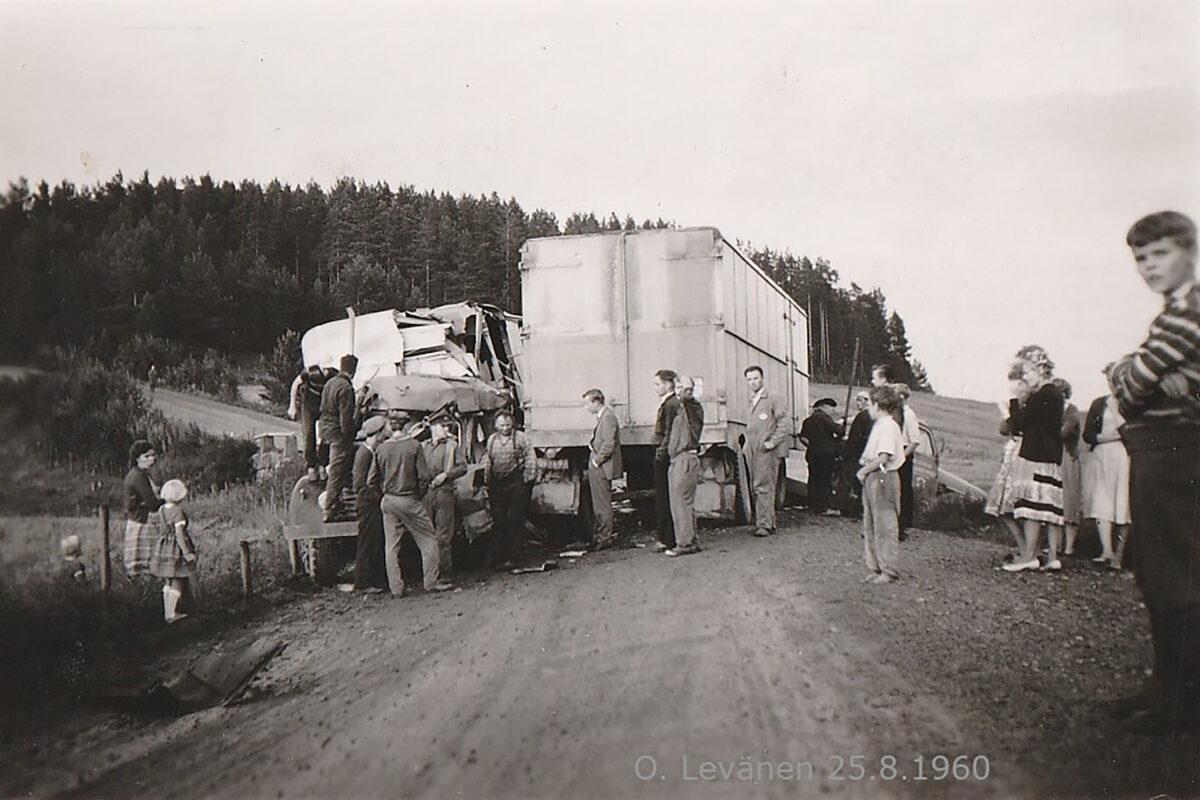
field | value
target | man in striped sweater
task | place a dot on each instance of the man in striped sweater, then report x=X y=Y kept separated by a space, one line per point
x=1158 y=386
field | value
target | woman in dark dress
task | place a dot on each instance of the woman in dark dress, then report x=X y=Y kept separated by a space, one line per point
x=141 y=500
x=1036 y=477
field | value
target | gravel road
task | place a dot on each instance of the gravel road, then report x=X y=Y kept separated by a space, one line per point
x=601 y=678
x=216 y=417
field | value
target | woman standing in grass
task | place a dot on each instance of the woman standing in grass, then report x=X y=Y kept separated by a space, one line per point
x=1037 y=414
x=141 y=500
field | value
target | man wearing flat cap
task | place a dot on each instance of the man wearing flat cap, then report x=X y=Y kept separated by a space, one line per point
x=448 y=464
x=369 y=574
x=821 y=438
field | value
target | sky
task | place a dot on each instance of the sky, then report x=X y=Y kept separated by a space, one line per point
x=978 y=161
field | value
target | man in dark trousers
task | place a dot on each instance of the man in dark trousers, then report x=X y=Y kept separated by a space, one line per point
x=447 y=464
x=369 y=573
x=338 y=426
x=856 y=442
x=509 y=469
x=668 y=407
x=604 y=464
x=1157 y=386
x=822 y=438
x=305 y=402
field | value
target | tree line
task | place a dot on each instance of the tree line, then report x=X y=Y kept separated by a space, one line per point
x=233 y=267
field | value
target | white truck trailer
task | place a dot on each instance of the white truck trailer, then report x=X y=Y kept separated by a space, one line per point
x=607 y=310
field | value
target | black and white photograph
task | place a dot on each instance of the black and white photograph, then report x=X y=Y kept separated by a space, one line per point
x=663 y=399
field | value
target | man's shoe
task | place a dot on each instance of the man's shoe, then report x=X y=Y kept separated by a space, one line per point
x=831 y=512
x=883 y=577
x=761 y=532
x=684 y=551
x=369 y=590
x=659 y=547
x=440 y=586
x=1020 y=566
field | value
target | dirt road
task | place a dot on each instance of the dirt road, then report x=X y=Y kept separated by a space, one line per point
x=219 y=418
x=628 y=674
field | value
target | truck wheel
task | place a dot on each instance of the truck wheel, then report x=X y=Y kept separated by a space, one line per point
x=322 y=561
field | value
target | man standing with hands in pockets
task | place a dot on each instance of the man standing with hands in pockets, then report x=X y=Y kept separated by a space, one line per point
x=604 y=464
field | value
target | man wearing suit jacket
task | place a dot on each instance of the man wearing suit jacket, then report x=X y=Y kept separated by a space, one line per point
x=767 y=432
x=604 y=464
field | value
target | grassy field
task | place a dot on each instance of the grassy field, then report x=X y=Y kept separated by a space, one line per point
x=44 y=615
x=965 y=430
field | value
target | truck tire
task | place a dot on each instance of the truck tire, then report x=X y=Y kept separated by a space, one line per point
x=322 y=561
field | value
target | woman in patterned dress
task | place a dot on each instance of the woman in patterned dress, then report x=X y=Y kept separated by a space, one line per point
x=1037 y=414
x=141 y=500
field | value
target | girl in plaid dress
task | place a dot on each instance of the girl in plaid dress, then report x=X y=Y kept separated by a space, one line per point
x=174 y=553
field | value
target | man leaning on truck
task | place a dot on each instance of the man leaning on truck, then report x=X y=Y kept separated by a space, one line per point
x=767 y=430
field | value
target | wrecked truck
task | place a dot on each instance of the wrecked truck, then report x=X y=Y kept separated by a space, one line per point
x=463 y=359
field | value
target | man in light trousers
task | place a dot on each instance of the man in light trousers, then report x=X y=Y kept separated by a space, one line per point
x=683 y=476
x=767 y=430
x=401 y=468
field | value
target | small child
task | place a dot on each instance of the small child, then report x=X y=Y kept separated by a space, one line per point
x=73 y=567
x=174 y=553
x=880 y=478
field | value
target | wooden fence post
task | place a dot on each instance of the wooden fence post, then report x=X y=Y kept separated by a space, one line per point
x=105 y=562
x=245 y=548
x=294 y=555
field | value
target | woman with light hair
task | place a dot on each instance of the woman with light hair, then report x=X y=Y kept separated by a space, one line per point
x=1072 y=478
x=1036 y=413
x=174 y=552
x=1106 y=481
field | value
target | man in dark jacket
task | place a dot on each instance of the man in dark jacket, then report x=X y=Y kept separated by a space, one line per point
x=604 y=464
x=369 y=573
x=305 y=402
x=447 y=464
x=856 y=442
x=821 y=439
x=668 y=407
x=338 y=427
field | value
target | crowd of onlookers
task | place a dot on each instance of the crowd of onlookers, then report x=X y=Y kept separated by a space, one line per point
x=1058 y=469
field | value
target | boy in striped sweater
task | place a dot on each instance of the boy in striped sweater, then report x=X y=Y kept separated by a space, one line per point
x=1158 y=386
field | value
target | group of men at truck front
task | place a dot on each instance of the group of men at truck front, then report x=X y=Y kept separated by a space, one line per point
x=400 y=484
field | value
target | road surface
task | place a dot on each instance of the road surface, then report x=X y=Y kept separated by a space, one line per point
x=219 y=418
x=629 y=674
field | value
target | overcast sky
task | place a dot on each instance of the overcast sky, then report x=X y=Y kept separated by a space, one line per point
x=980 y=162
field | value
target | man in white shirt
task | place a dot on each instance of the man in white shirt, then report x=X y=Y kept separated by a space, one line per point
x=881 y=461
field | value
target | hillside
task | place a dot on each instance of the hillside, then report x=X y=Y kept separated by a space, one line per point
x=965 y=429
